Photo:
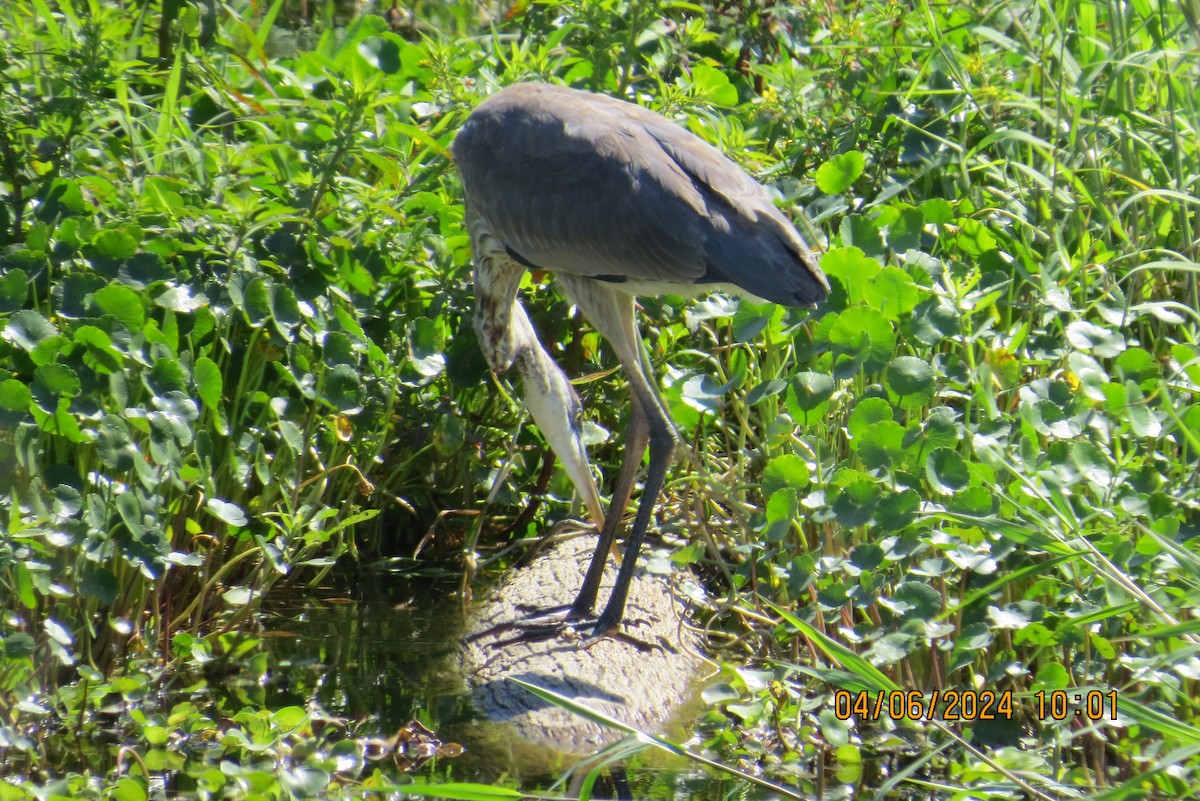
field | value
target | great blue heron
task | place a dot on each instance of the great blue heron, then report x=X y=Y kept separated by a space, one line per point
x=616 y=201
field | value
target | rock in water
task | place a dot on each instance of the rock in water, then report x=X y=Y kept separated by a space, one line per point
x=643 y=687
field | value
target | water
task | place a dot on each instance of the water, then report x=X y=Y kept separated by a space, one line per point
x=374 y=656
x=386 y=653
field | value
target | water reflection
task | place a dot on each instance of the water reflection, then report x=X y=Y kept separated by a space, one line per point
x=383 y=648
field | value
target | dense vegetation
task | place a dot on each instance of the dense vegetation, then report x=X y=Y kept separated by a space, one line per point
x=236 y=347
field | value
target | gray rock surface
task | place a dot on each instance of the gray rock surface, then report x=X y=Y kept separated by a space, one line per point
x=641 y=687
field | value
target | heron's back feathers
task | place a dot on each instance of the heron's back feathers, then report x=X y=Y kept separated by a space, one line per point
x=576 y=182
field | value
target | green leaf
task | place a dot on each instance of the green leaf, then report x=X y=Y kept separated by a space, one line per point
x=919 y=600
x=946 y=471
x=974 y=238
x=898 y=510
x=227 y=512
x=114 y=445
x=240 y=596
x=862 y=339
x=973 y=501
x=449 y=434
x=52 y=382
x=767 y=389
x=905 y=232
x=933 y=320
x=209 y=382
x=122 y=303
x=704 y=394
x=852 y=268
x=881 y=446
x=15 y=398
x=812 y=389
x=257 y=301
x=60 y=421
x=143 y=270
x=713 y=86
x=96 y=581
x=711 y=307
x=866 y=557
x=75 y=293
x=303 y=781
x=180 y=299
x=49 y=349
x=855 y=505
x=292 y=436
x=893 y=292
x=100 y=355
x=867 y=413
x=1139 y=413
x=27 y=328
x=863 y=232
x=840 y=172
x=936 y=211
x=58 y=632
x=114 y=244
x=14 y=287
x=751 y=319
x=130 y=509
x=912 y=380
x=285 y=310
x=129 y=788
x=19 y=645
x=1138 y=364
x=425 y=347
x=64 y=196
x=167 y=376
x=155 y=735
x=344 y=389
x=174 y=414
x=1091 y=338
x=289 y=718
x=788 y=470
x=1051 y=676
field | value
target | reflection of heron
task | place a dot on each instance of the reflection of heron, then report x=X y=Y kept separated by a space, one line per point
x=616 y=201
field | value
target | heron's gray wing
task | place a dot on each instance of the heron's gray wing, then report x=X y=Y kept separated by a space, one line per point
x=580 y=190
x=750 y=242
x=581 y=183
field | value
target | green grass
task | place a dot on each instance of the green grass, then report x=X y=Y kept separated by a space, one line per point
x=236 y=347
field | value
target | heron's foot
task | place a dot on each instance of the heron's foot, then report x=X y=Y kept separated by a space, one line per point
x=615 y=632
x=563 y=622
x=537 y=625
x=564 y=630
x=546 y=623
x=564 y=615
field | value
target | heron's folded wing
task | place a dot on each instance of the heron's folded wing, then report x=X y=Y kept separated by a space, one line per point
x=585 y=197
x=598 y=187
x=750 y=243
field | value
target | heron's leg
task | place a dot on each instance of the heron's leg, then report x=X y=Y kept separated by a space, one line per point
x=662 y=440
x=637 y=435
x=611 y=312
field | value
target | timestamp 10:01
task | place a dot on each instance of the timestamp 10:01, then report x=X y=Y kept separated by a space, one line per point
x=1062 y=704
